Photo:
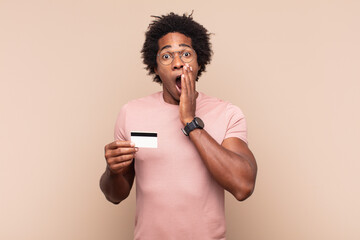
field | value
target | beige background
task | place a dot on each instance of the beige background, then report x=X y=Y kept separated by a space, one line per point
x=66 y=67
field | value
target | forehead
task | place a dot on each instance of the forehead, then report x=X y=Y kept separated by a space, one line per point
x=174 y=40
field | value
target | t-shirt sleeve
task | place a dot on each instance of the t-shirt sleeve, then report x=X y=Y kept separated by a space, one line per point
x=236 y=123
x=119 y=131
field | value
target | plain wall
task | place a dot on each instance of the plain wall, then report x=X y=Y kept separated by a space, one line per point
x=66 y=68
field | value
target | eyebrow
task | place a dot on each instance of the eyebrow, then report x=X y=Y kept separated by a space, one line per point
x=180 y=45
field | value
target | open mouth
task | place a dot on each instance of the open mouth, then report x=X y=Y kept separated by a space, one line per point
x=178 y=83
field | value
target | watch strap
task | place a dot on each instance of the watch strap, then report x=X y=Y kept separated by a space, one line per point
x=189 y=127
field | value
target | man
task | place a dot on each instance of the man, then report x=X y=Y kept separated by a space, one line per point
x=202 y=147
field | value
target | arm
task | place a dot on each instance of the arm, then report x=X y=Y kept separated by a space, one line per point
x=231 y=164
x=117 y=180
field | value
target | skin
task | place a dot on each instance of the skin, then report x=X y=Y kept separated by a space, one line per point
x=230 y=163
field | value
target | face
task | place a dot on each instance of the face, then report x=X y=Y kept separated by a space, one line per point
x=175 y=44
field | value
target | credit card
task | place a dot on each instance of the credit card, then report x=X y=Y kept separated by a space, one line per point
x=144 y=139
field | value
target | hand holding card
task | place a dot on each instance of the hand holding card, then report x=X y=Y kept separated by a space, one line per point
x=144 y=139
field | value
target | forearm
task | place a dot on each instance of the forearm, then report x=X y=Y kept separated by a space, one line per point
x=235 y=172
x=116 y=187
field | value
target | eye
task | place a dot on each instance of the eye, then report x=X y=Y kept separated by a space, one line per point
x=186 y=54
x=166 y=56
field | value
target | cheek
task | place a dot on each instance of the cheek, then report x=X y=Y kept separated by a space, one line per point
x=162 y=73
x=195 y=65
x=196 y=69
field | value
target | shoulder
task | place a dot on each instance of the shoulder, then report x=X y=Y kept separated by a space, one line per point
x=210 y=102
x=142 y=103
x=232 y=110
x=148 y=100
x=138 y=105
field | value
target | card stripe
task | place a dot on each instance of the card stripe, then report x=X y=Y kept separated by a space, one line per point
x=143 y=134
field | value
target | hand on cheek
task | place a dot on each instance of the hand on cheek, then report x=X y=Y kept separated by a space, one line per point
x=188 y=95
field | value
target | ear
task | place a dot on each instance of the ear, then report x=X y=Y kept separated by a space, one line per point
x=155 y=70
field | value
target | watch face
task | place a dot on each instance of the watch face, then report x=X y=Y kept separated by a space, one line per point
x=199 y=122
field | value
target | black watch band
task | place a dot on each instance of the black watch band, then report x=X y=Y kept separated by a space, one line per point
x=194 y=124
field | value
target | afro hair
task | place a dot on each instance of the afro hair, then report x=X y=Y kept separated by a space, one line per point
x=162 y=25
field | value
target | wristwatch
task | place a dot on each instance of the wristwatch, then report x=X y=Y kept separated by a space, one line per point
x=195 y=123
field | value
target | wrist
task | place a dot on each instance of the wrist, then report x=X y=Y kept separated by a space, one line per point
x=109 y=172
x=195 y=123
x=112 y=174
x=187 y=120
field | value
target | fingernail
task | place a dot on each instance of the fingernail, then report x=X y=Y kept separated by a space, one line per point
x=136 y=149
x=132 y=144
x=182 y=75
x=191 y=68
x=185 y=67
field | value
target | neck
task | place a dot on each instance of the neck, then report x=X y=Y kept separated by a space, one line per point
x=174 y=101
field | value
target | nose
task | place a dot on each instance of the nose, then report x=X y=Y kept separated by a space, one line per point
x=177 y=62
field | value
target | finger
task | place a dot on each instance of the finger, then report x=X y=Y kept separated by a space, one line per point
x=185 y=74
x=124 y=151
x=183 y=85
x=117 y=168
x=192 y=79
x=188 y=81
x=120 y=159
x=110 y=153
x=119 y=143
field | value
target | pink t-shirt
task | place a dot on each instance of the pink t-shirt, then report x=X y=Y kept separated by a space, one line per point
x=176 y=197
